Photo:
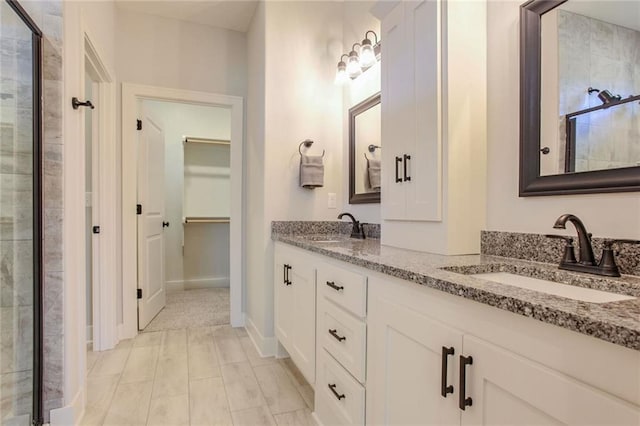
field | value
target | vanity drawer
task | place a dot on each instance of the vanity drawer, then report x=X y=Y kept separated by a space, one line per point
x=339 y=397
x=346 y=288
x=343 y=336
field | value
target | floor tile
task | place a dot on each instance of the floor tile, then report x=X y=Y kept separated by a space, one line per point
x=241 y=332
x=203 y=361
x=208 y=403
x=110 y=363
x=170 y=411
x=200 y=336
x=148 y=339
x=100 y=391
x=308 y=395
x=93 y=416
x=172 y=377
x=92 y=357
x=295 y=418
x=130 y=404
x=229 y=350
x=174 y=344
x=253 y=417
x=242 y=387
x=224 y=331
x=279 y=392
x=141 y=365
x=252 y=353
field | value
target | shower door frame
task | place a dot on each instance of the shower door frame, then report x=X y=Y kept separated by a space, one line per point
x=36 y=37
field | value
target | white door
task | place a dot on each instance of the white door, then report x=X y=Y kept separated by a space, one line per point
x=405 y=364
x=506 y=389
x=150 y=239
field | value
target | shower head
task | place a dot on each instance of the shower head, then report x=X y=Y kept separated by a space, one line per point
x=606 y=97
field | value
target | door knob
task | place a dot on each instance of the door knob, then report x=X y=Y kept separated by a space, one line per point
x=165 y=224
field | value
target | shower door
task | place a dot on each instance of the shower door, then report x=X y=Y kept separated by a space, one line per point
x=20 y=218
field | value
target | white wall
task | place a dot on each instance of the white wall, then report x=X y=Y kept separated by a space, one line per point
x=206 y=246
x=356 y=21
x=607 y=215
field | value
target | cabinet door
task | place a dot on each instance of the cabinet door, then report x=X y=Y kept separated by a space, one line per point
x=395 y=120
x=303 y=307
x=283 y=301
x=424 y=168
x=404 y=367
x=507 y=389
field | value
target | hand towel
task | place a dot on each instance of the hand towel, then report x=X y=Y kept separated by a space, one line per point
x=373 y=169
x=311 y=171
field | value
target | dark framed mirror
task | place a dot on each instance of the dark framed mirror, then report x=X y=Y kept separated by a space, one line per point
x=579 y=98
x=365 y=146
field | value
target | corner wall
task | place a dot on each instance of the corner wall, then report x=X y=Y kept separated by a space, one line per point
x=605 y=215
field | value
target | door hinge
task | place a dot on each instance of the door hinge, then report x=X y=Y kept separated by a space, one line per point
x=139 y=124
x=139 y=294
x=96 y=229
x=138 y=208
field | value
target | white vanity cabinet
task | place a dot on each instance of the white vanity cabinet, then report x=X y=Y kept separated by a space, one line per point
x=531 y=375
x=295 y=306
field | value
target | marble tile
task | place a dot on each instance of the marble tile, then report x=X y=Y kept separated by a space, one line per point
x=16 y=273
x=53 y=249
x=229 y=350
x=252 y=353
x=172 y=377
x=53 y=367
x=148 y=339
x=141 y=364
x=52 y=62
x=53 y=303
x=170 y=411
x=110 y=362
x=295 y=418
x=15 y=394
x=16 y=340
x=278 y=390
x=203 y=361
x=208 y=403
x=52 y=113
x=242 y=387
x=130 y=404
x=253 y=417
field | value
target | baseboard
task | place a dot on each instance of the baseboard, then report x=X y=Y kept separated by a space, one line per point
x=70 y=414
x=210 y=282
x=89 y=334
x=315 y=418
x=266 y=346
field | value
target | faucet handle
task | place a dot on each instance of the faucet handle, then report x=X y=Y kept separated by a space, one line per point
x=569 y=255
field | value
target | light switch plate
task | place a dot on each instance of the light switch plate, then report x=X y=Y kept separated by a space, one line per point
x=331 y=201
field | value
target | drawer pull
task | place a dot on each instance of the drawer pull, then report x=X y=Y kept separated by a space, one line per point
x=334 y=286
x=334 y=333
x=444 y=388
x=464 y=401
x=332 y=388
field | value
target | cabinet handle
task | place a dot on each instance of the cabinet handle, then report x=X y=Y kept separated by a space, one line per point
x=444 y=388
x=334 y=333
x=464 y=401
x=332 y=388
x=334 y=286
x=284 y=271
x=406 y=163
x=286 y=274
x=398 y=161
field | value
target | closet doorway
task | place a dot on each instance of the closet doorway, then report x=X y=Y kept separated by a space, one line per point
x=182 y=254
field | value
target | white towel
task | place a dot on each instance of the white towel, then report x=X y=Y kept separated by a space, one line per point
x=311 y=171
x=373 y=169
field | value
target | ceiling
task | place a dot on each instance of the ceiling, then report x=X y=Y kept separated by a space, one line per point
x=229 y=14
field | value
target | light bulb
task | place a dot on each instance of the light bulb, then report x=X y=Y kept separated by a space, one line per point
x=353 y=66
x=367 y=56
x=341 y=74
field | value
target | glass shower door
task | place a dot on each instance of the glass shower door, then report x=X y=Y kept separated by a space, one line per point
x=20 y=229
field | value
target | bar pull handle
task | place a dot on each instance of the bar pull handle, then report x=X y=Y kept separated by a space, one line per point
x=334 y=333
x=332 y=388
x=407 y=178
x=287 y=268
x=398 y=161
x=444 y=388
x=463 y=401
x=284 y=274
x=334 y=286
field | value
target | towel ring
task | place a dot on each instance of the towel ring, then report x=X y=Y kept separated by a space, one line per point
x=372 y=148
x=307 y=144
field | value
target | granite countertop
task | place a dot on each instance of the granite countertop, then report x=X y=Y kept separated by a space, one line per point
x=615 y=322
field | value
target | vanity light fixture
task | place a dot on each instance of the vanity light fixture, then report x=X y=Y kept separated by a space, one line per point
x=358 y=61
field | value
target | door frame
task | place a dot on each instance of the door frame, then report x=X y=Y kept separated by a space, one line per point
x=132 y=94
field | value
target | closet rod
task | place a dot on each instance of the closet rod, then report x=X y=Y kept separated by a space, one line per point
x=207 y=220
x=190 y=139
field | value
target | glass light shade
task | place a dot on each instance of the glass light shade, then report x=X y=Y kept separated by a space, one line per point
x=341 y=74
x=367 y=56
x=353 y=66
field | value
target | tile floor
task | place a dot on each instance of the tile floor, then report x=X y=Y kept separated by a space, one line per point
x=196 y=376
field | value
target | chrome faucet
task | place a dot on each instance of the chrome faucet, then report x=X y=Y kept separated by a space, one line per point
x=607 y=264
x=356 y=231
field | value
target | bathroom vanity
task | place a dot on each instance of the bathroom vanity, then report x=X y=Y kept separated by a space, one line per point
x=392 y=336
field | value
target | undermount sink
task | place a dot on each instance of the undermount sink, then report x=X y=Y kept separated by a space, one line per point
x=553 y=288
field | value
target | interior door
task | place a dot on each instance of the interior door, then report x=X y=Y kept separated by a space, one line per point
x=150 y=239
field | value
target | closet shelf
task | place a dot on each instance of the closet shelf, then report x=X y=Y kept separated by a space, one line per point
x=191 y=139
x=193 y=219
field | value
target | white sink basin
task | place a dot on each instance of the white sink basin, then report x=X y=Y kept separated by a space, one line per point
x=556 y=289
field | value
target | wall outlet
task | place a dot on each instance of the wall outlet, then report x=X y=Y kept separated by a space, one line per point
x=331 y=201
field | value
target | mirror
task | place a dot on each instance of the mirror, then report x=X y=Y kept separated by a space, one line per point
x=580 y=97
x=365 y=151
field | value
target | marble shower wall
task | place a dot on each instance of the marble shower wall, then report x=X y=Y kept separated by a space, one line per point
x=593 y=53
